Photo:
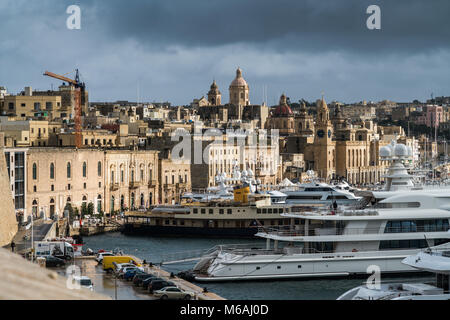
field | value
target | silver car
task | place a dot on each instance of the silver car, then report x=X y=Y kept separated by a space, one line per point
x=173 y=293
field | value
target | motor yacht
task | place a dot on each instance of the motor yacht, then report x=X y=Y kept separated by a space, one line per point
x=337 y=242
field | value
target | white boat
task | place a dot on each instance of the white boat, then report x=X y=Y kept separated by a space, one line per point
x=337 y=242
x=319 y=193
x=435 y=261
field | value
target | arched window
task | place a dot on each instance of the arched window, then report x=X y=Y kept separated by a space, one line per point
x=99 y=168
x=69 y=170
x=84 y=169
x=52 y=171
x=142 y=200
x=34 y=171
x=122 y=202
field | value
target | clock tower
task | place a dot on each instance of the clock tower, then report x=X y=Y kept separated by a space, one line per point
x=324 y=146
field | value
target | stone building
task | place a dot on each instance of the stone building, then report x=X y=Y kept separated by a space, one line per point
x=60 y=176
x=131 y=179
x=338 y=148
x=282 y=118
x=28 y=105
x=175 y=180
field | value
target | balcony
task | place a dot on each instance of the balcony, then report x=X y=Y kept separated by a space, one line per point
x=152 y=183
x=114 y=187
x=134 y=184
x=180 y=185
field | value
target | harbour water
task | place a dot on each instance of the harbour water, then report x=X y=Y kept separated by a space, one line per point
x=153 y=248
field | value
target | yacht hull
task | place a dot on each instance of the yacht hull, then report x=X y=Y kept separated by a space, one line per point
x=266 y=267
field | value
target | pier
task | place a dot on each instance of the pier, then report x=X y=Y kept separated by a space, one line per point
x=107 y=284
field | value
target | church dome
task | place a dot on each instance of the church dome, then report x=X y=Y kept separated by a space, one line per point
x=283 y=109
x=239 y=81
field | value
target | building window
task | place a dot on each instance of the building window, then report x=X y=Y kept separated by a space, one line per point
x=34 y=171
x=69 y=170
x=52 y=171
x=84 y=169
x=99 y=168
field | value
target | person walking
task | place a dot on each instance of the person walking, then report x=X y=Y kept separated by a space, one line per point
x=13 y=245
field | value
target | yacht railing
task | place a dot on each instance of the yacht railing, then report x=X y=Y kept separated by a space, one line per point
x=338 y=212
x=299 y=231
x=252 y=249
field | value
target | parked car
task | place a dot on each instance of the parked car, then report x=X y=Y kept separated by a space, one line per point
x=129 y=275
x=119 y=267
x=159 y=284
x=51 y=261
x=124 y=270
x=139 y=278
x=99 y=257
x=173 y=293
x=146 y=281
x=84 y=282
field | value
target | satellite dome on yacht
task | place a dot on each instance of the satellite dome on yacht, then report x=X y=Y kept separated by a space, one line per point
x=400 y=150
x=385 y=152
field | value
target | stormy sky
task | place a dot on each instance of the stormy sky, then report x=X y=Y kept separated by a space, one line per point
x=171 y=50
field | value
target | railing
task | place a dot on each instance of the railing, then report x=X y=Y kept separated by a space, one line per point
x=114 y=186
x=288 y=231
x=152 y=183
x=134 y=184
x=337 y=212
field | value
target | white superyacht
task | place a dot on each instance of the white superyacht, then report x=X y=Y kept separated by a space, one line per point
x=340 y=242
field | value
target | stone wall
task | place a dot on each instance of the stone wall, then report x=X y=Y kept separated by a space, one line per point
x=8 y=222
x=23 y=280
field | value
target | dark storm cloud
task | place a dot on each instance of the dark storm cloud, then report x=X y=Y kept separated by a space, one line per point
x=284 y=24
x=172 y=49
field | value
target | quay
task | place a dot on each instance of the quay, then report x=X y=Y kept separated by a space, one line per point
x=106 y=284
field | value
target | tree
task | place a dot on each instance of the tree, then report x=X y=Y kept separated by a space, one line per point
x=90 y=209
x=84 y=210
